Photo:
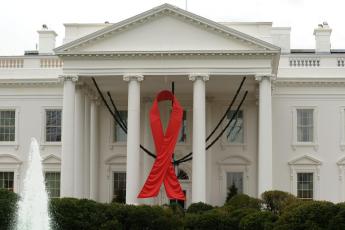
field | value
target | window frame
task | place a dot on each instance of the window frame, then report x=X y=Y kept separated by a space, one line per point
x=11 y=163
x=313 y=191
x=52 y=171
x=111 y=136
x=189 y=114
x=342 y=128
x=43 y=141
x=305 y=164
x=295 y=142
x=224 y=141
x=14 y=143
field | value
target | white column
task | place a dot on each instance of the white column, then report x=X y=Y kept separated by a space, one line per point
x=87 y=147
x=79 y=143
x=265 y=171
x=67 y=149
x=94 y=155
x=133 y=139
x=199 y=136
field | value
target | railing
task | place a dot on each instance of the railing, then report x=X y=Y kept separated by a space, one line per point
x=304 y=62
x=13 y=63
x=51 y=63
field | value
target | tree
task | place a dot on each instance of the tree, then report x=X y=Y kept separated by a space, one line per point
x=232 y=191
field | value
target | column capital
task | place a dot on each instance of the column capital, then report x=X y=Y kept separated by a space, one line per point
x=134 y=76
x=260 y=77
x=197 y=76
x=68 y=77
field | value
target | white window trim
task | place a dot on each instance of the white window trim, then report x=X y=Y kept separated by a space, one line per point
x=115 y=163
x=235 y=163
x=224 y=142
x=296 y=143
x=341 y=171
x=342 y=128
x=189 y=119
x=14 y=143
x=43 y=141
x=12 y=164
x=111 y=141
x=305 y=164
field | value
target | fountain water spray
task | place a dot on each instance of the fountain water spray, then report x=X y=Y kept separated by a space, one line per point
x=32 y=211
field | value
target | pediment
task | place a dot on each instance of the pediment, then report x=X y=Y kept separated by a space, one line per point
x=235 y=160
x=51 y=159
x=116 y=159
x=305 y=160
x=165 y=29
x=9 y=159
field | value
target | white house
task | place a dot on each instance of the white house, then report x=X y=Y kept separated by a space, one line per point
x=289 y=134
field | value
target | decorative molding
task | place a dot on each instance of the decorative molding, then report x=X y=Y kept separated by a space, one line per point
x=305 y=160
x=199 y=76
x=66 y=77
x=29 y=82
x=133 y=77
x=295 y=82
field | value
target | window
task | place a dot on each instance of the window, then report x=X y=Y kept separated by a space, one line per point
x=119 y=187
x=305 y=185
x=235 y=178
x=53 y=125
x=7 y=180
x=305 y=125
x=52 y=180
x=7 y=125
x=182 y=138
x=119 y=134
x=234 y=133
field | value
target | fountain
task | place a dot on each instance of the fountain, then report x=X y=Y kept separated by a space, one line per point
x=32 y=211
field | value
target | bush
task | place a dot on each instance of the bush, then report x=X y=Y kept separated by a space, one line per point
x=338 y=221
x=8 y=207
x=276 y=201
x=260 y=220
x=244 y=201
x=199 y=208
x=71 y=213
x=232 y=220
x=310 y=215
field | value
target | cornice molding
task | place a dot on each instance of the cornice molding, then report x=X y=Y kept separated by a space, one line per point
x=172 y=53
x=29 y=82
x=310 y=83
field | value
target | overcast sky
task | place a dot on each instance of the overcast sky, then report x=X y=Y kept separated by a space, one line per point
x=20 y=19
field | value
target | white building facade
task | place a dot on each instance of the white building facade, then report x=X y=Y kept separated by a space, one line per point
x=288 y=135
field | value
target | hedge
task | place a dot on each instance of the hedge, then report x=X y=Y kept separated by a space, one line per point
x=274 y=212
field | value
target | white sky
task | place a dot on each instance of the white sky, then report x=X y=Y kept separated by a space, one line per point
x=20 y=19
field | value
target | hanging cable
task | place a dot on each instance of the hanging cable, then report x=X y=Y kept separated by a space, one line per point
x=189 y=156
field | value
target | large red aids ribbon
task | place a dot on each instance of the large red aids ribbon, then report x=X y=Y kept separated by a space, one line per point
x=163 y=170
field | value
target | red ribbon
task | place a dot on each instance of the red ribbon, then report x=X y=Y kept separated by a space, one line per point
x=163 y=170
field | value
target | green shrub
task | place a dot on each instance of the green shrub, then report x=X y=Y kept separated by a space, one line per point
x=310 y=215
x=244 y=201
x=199 y=208
x=276 y=201
x=338 y=221
x=260 y=220
x=8 y=207
x=70 y=213
x=233 y=219
x=212 y=219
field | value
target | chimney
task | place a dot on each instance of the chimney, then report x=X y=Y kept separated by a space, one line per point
x=46 y=40
x=323 y=38
x=281 y=38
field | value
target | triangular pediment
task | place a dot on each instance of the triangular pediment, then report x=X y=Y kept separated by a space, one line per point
x=165 y=29
x=305 y=160
x=51 y=159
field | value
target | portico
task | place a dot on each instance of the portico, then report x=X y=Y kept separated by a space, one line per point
x=137 y=58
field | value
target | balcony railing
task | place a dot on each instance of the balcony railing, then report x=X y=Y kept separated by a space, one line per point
x=22 y=62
